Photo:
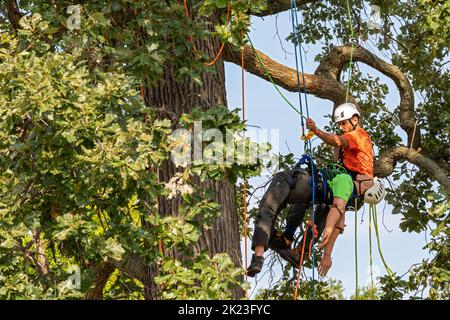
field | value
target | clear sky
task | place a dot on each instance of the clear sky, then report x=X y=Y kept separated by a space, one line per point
x=267 y=110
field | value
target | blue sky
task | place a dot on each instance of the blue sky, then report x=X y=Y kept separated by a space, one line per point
x=266 y=109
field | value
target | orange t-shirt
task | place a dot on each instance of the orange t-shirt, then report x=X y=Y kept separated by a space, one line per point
x=359 y=154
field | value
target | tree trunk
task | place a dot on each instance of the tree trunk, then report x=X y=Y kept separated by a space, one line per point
x=181 y=97
x=103 y=272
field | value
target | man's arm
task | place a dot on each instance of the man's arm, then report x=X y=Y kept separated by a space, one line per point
x=334 y=235
x=332 y=139
x=336 y=151
x=325 y=262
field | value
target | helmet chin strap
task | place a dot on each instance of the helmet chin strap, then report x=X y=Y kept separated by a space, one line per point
x=361 y=194
x=353 y=125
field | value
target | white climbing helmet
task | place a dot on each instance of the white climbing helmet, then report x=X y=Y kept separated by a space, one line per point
x=345 y=111
x=375 y=193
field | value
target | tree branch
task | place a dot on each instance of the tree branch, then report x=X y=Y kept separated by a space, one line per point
x=385 y=165
x=103 y=271
x=41 y=260
x=331 y=67
x=277 y=6
x=286 y=77
x=14 y=14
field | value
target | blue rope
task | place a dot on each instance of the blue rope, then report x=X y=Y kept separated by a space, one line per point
x=301 y=59
x=308 y=145
x=296 y=65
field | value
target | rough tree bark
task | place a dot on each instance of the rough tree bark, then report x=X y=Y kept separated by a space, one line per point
x=181 y=97
x=12 y=10
x=103 y=272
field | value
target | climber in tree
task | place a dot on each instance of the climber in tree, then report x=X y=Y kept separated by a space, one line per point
x=354 y=149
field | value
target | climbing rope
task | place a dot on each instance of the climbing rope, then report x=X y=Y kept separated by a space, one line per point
x=272 y=81
x=370 y=247
x=223 y=43
x=300 y=266
x=308 y=145
x=302 y=253
x=375 y=224
x=356 y=251
x=352 y=38
x=296 y=43
x=350 y=72
x=245 y=180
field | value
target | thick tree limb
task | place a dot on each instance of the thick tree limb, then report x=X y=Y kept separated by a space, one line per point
x=103 y=272
x=286 y=77
x=14 y=14
x=385 y=165
x=331 y=67
x=277 y=6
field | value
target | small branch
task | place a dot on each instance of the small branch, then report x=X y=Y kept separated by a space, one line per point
x=35 y=238
x=103 y=271
x=277 y=6
x=38 y=257
x=277 y=34
x=14 y=14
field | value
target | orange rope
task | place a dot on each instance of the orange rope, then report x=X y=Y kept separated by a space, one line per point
x=223 y=44
x=300 y=267
x=316 y=234
x=161 y=248
x=245 y=181
x=186 y=8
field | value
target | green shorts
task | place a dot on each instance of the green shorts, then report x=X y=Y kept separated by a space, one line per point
x=342 y=186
